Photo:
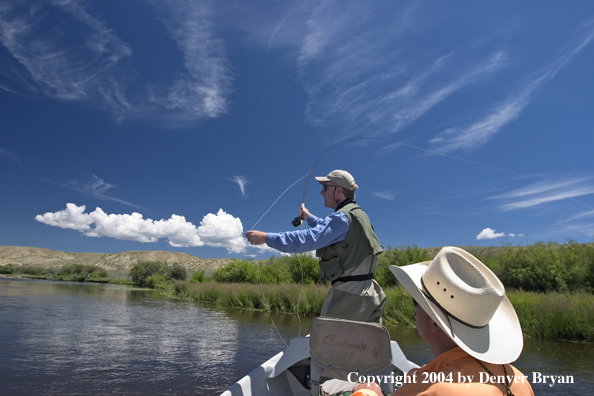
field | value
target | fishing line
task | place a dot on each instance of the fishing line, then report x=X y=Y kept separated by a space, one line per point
x=341 y=142
x=288 y=188
x=344 y=141
x=260 y=280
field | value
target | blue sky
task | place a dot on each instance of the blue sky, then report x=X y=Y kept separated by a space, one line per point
x=175 y=125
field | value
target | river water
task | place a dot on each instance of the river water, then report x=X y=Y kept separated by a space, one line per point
x=61 y=338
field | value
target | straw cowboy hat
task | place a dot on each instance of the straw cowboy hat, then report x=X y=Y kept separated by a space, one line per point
x=468 y=302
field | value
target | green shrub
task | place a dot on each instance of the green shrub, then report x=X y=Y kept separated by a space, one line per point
x=33 y=270
x=177 y=272
x=80 y=272
x=578 y=264
x=155 y=280
x=198 y=277
x=304 y=269
x=532 y=268
x=140 y=272
x=294 y=269
x=237 y=271
x=6 y=269
x=398 y=257
x=273 y=271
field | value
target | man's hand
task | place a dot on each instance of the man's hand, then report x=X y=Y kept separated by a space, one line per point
x=256 y=237
x=303 y=213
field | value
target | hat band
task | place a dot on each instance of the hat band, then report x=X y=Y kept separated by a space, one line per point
x=445 y=311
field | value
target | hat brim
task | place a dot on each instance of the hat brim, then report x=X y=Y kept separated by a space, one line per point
x=322 y=179
x=500 y=342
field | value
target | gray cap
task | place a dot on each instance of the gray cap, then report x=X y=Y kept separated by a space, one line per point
x=341 y=178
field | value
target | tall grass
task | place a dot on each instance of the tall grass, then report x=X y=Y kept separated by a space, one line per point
x=551 y=316
x=290 y=298
x=555 y=316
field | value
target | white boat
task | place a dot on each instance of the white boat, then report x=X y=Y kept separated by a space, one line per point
x=337 y=350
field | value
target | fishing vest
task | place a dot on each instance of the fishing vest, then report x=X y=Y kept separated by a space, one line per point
x=360 y=242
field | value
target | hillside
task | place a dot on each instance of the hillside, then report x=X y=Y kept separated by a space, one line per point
x=115 y=264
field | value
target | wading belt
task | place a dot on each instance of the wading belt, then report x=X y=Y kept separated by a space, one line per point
x=353 y=278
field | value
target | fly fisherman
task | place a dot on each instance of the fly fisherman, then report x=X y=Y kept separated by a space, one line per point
x=347 y=247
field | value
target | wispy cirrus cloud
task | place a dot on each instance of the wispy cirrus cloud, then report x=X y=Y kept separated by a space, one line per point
x=508 y=110
x=360 y=74
x=9 y=155
x=581 y=216
x=241 y=181
x=387 y=195
x=547 y=191
x=62 y=51
x=57 y=63
x=216 y=230
x=203 y=87
x=96 y=188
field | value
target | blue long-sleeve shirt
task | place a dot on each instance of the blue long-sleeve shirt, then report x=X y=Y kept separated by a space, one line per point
x=324 y=232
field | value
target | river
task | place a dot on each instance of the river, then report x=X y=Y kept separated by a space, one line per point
x=62 y=338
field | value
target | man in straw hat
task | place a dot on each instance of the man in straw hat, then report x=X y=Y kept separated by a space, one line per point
x=347 y=247
x=469 y=324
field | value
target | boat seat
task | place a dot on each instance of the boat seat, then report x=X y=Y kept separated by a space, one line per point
x=341 y=347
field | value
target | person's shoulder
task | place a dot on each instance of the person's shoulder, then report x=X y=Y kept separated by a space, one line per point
x=338 y=216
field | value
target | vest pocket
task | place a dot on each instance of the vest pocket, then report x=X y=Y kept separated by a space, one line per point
x=331 y=269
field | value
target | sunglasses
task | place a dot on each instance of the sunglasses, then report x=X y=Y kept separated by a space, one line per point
x=325 y=186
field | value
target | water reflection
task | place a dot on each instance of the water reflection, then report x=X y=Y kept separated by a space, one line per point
x=69 y=339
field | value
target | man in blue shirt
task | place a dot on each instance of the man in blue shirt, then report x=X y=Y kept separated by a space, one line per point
x=347 y=247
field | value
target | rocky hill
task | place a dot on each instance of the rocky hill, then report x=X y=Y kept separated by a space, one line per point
x=115 y=264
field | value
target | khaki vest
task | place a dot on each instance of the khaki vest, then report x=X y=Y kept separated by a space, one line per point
x=359 y=243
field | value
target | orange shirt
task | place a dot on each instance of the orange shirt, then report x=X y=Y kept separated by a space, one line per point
x=451 y=373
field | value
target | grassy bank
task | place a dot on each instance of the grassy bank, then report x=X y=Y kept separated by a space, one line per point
x=550 y=316
x=549 y=284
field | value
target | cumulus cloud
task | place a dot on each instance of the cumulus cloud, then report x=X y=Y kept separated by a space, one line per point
x=216 y=230
x=241 y=181
x=488 y=233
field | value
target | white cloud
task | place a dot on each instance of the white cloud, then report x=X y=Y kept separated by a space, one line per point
x=8 y=155
x=551 y=190
x=241 y=181
x=358 y=73
x=481 y=131
x=216 y=230
x=488 y=233
x=583 y=215
x=60 y=64
x=387 y=195
x=203 y=88
x=222 y=230
x=97 y=189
